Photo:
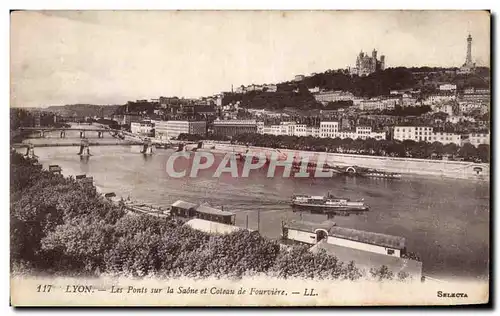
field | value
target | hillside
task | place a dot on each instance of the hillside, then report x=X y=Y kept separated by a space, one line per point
x=81 y=110
x=296 y=94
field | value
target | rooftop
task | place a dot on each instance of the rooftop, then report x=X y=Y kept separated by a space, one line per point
x=235 y=122
x=309 y=226
x=213 y=211
x=366 y=260
x=184 y=205
x=211 y=227
x=368 y=237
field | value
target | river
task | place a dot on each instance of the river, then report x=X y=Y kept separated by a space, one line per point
x=445 y=221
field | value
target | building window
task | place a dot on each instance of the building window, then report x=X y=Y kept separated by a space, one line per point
x=390 y=251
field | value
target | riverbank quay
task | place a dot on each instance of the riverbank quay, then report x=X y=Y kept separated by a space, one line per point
x=407 y=166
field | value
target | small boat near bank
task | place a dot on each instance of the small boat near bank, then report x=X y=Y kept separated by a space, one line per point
x=145 y=209
x=381 y=174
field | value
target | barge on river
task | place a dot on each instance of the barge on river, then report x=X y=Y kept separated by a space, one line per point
x=328 y=204
x=367 y=172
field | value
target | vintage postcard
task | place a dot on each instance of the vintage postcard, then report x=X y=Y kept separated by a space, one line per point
x=250 y=158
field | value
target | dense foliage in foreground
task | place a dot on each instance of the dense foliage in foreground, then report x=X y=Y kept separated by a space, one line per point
x=61 y=226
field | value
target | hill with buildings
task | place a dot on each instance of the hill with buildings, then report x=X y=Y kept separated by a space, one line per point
x=82 y=110
x=328 y=91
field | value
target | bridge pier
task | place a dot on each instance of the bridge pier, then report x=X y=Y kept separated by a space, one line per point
x=147 y=147
x=82 y=134
x=63 y=134
x=30 y=151
x=84 y=148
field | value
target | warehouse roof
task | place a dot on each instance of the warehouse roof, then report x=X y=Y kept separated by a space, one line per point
x=383 y=240
x=367 y=260
x=184 y=205
x=309 y=226
x=211 y=227
x=213 y=211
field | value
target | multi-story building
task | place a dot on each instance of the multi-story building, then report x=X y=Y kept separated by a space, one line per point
x=254 y=87
x=477 y=139
x=299 y=78
x=365 y=132
x=143 y=128
x=446 y=138
x=267 y=129
x=469 y=106
x=361 y=132
x=125 y=119
x=332 y=96
x=446 y=107
x=439 y=98
x=275 y=130
x=366 y=64
x=448 y=87
x=172 y=129
x=231 y=128
x=390 y=103
x=260 y=127
x=313 y=131
x=425 y=133
x=371 y=104
x=475 y=95
x=328 y=129
x=378 y=104
x=290 y=129
x=415 y=133
x=205 y=110
x=270 y=88
x=408 y=100
x=347 y=134
x=459 y=118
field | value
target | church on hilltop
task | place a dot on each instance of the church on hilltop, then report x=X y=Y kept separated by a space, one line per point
x=366 y=64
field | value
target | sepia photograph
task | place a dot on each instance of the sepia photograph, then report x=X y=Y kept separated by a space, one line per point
x=250 y=158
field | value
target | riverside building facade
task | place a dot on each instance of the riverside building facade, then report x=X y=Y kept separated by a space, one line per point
x=231 y=128
x=426 y=134
x=143 y=128
x=327 y=129
x=171 y=129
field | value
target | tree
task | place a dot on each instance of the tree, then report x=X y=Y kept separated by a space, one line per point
x=483 y=152
x=80 y=244
x=381 y=274
x=450 y=149
x=468 y=151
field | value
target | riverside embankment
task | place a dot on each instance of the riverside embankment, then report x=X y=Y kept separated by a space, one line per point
x=410 y=166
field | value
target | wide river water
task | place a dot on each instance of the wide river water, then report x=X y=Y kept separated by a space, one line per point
x=445 y=221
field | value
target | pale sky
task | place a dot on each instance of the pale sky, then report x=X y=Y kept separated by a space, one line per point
x=110 y=57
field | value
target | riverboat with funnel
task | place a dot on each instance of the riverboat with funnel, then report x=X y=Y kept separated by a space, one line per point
x=328 y=204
